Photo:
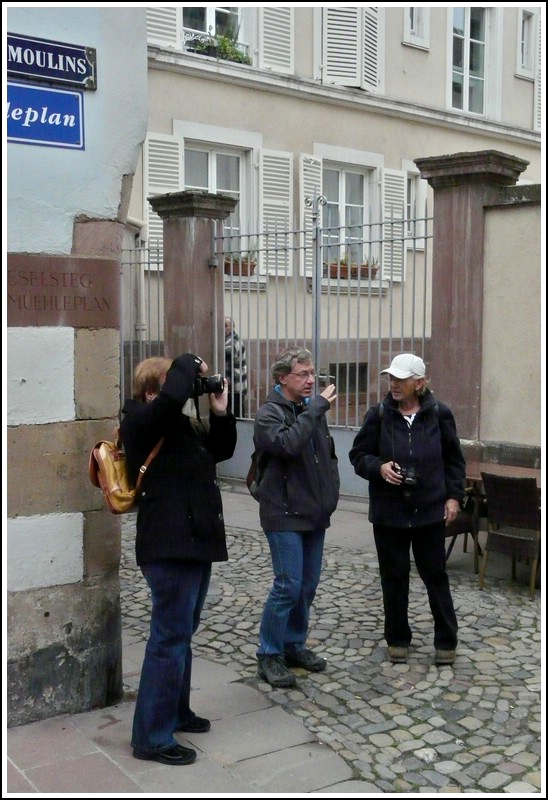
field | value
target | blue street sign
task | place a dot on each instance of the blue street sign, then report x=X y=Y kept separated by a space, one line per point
x=42 y=116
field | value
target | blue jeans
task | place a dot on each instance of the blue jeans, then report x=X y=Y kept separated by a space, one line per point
x=297 y=563
x=428 y=543
x=178 y=590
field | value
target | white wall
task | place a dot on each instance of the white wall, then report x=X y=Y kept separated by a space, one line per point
x=49 y=186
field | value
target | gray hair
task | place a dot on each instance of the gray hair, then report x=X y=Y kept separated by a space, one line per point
x=286 y=360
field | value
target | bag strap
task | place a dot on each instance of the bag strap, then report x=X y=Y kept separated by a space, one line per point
x=143 y=469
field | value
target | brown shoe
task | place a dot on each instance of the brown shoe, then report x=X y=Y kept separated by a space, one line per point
x=444 y=657
x=398 y=655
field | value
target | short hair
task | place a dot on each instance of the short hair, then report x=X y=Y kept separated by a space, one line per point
x=286 y=360
x=149 y=376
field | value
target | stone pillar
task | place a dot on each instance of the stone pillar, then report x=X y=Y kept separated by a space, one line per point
x=463 y=184
x=193 y=282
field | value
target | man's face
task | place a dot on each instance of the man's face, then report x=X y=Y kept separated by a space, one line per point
x=299 y=383
x=228 y=327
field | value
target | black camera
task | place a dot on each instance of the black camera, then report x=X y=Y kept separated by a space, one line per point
x=409 y=476
x=208 y=384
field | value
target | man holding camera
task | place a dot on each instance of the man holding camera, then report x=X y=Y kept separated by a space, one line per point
x=180 y=532
x=409 y=451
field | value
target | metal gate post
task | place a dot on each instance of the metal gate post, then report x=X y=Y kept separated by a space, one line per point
x=314 y=203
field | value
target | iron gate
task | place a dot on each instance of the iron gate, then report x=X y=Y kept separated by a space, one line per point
x=354 y=295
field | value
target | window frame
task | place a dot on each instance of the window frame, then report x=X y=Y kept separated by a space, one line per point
x=527 y=71
x=467 y=39
x=419 y=36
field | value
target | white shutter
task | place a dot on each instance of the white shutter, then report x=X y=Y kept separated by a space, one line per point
x=277 y=39
x=163 y=169
x=276 y=211
x=310 y=185
x=537 y=102
x=371 y=49
x=163 y=26
x=394 y=183
x=341 y=45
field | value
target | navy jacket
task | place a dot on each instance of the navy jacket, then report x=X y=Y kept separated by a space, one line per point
x=180 y=513
x=299 y=486
x=430 y=445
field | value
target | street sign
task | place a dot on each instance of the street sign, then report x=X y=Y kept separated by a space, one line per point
x=54 y=62
x=45 y=116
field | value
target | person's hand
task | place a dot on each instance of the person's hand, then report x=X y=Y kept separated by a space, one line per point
x=330 y=392
x=203 y=368
x=451 y=510
x=390 y=472
x=218 y=402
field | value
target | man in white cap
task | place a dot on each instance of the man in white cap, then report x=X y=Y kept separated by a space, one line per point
x=409 y=451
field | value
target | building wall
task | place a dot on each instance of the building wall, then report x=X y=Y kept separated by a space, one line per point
x=512 y=365
x=65 y=219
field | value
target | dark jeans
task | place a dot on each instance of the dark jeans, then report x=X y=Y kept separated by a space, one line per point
x=178 y=590
x=393 y=550
x=297 y=563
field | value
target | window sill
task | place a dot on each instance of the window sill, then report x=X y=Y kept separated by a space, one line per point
x=350 y=286
x=256 y=283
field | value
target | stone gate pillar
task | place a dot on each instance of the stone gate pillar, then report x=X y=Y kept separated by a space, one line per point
x=193 y=283
x=463 y=184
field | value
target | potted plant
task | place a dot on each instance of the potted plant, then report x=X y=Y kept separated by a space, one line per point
x=342 y=269
x=224 y=46
x=240 y=264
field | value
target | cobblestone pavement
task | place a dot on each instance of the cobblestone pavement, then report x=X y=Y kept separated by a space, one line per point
x=415 y=727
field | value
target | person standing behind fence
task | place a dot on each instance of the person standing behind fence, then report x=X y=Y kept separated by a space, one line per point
x=235 y=369
x=298 y=490
x=180 y=532
x=411 y=456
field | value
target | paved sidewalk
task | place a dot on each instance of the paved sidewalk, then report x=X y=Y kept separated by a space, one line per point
x=364 y=726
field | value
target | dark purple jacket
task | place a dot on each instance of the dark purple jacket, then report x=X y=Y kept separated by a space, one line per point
x=180 y=512
x=430 y=445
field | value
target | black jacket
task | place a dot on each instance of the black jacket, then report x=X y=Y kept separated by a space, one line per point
x=299 y=486
x=430 y=445
x=180 y=513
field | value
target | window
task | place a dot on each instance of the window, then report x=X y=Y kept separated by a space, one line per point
x=345 y=214
x=416 y=26
x=215 y=21
x=468 y=63
x=415 y=205
x=216 y=171
x=525 y=63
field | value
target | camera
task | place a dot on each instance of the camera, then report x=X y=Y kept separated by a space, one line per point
x=208 y=384
x=409 y=476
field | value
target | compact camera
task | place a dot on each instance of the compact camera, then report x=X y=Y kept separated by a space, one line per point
x=210 y=384
x=409 y=476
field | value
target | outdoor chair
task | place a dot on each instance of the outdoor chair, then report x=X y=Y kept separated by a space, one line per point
x=464 y=524
x=513 y=522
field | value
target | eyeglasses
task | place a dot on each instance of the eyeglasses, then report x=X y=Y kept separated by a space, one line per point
x=304 y=375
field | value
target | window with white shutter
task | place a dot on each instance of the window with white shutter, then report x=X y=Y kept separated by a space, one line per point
x=353 y=46
x=537 y=113
x=164 y=26
x=163 y=171
x=394 y=184
x=276 y=210
x=276 y=38
x=310 y=186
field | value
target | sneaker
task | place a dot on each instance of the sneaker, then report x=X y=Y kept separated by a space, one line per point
x=398 y=655
x=305 y=659
x=195 y=725
x=177 y=756
x=445 y=657
x=274 y=671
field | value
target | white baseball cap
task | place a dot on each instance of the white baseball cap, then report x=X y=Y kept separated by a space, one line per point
x=406 y=365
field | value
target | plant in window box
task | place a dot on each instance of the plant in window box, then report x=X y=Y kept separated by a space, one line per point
x=342 y=269
x=224 y=46
x=240 y=264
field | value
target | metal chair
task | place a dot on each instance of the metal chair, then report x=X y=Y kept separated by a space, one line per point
x=464 y=523
x=513 y=522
